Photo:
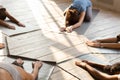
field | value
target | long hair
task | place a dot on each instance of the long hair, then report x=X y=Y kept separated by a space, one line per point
x=71 y=17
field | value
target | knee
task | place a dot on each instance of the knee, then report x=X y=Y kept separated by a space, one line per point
x=87 y=19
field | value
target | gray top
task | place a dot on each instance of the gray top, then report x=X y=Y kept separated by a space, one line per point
x=12 y=70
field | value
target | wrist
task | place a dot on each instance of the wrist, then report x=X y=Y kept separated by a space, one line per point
x=71 y=27
x=100 y=45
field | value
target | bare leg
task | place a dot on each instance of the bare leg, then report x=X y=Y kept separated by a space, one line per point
x=2 y=45
x=14 y=20
x=37 y=66
x=3 y=23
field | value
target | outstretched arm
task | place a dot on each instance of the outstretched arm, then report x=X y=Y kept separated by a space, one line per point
x=95 y=73
x=108 y=40
x=78 y=24
x=103 y=45
x=99 y=75
x=95 y=65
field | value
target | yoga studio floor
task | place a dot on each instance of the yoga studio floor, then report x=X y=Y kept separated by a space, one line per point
x=42 y=40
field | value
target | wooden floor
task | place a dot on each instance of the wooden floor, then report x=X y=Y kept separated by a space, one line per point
x=51 y=45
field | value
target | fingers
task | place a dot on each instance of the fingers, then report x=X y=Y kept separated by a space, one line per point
x=80 y=64
x=62 y=29
x=37 y=64
x=69 y=29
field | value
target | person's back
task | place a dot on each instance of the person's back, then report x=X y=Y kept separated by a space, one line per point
x=81 y=5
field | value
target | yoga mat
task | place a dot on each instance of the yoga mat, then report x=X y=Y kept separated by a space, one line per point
x=86 y=25
x=81 y=74
x=19 y=30
x=23 y=14
x=44 y=73
x=47 y=47
x=3 y=40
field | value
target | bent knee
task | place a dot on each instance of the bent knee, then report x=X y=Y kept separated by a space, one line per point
x=88 y=19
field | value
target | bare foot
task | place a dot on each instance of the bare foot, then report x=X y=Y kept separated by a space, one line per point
x=69 y=29
x=2 y=45
x=21 y=25
x=11 y=27
x=93 y=44
x=62 y=29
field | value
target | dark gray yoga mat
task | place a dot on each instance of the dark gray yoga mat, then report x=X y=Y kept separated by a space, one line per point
x=82 y=29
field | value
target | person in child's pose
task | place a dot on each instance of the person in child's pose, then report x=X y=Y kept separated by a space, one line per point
x=99 y=71
x=112 y=43
x=76 y=13
x=15 y=71
x=3 y=14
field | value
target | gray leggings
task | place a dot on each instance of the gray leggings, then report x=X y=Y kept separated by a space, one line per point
x=88 y=15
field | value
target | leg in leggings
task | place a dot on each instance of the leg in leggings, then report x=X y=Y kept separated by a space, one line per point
x=88 y=15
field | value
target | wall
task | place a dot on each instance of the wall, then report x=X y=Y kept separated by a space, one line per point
x=110 y=4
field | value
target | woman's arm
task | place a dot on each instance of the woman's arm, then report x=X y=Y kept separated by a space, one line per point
x=100 y=75
x=107 y=40
x=103 y=45
x=95 y=65
x=110 y=45
x=95 y=73
x=78 y=24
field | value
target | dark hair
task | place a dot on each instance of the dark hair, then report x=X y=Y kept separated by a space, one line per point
x=112 y=69
x=72 y=17
x=115 y=68
x=17 y=64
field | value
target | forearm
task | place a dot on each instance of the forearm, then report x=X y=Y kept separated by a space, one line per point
x=96 y=65
x=78 y=24
x=99 y=75
x=108 y=40
x=35 y=73
x=110 y=45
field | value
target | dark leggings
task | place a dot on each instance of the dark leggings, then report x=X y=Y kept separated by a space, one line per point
x=88 y=15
